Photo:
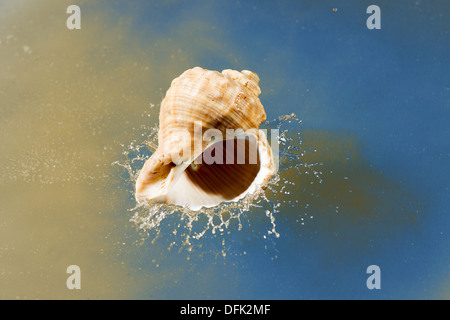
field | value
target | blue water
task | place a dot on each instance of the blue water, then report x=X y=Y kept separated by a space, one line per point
x=381 y=98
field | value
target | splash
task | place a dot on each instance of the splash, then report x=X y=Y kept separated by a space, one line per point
x=184 y=226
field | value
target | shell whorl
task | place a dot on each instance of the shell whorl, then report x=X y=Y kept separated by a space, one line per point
x=227 y=100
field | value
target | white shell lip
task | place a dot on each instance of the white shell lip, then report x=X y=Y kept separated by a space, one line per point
x=178 y=190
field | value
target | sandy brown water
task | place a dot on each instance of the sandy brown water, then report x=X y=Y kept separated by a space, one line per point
x=68 y=100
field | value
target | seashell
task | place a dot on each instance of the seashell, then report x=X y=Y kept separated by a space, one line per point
x=210 y=148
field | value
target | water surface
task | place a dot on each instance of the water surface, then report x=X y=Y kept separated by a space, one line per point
x=363 y=174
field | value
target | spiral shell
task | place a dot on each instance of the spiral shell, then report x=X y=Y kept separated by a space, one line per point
x=186 y=169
